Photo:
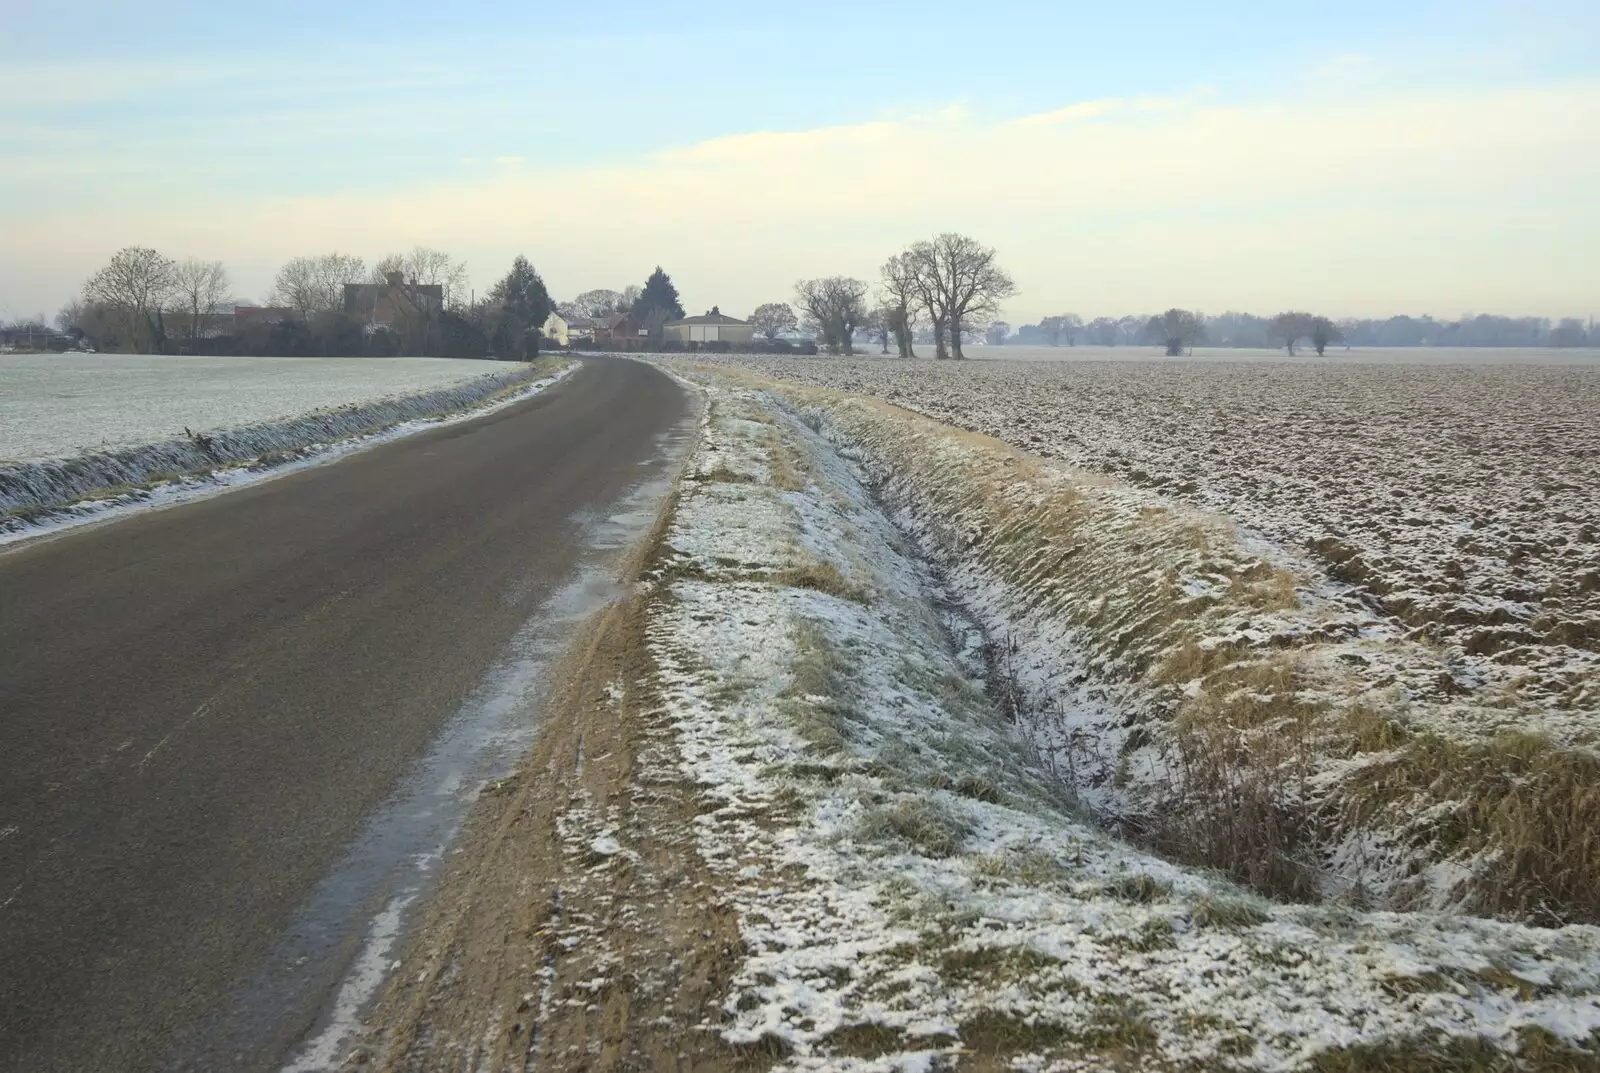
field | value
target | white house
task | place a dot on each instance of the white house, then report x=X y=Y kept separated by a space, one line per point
x=555 y=329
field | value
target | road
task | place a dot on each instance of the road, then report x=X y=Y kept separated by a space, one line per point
x=199 y=705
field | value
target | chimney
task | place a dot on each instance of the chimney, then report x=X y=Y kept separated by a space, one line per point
x=395 y=279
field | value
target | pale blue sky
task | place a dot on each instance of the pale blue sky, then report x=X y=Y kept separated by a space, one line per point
x=219 y=129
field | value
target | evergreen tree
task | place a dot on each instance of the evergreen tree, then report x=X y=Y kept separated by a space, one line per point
x=658 y=293
x=523 y=305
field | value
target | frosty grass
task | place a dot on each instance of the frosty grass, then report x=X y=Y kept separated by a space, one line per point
x=1461 y=501
x=913 y=883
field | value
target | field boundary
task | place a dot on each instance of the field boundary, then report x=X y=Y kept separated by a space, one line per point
x=37 y=493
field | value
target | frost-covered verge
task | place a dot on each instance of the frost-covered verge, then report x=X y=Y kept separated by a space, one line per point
x=49 y=488
x=1204 y=691
x=914 y=889
x=1221 y=698
x=1461 y=501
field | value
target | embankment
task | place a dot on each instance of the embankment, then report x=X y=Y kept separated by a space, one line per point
x=1202 y=692
x=33 y=489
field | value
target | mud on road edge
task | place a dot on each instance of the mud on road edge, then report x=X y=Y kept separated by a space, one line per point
x=576 y=925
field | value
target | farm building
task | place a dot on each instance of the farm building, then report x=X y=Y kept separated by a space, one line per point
x=713 y=327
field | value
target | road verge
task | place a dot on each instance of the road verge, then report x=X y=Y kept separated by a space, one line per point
x=778 y=822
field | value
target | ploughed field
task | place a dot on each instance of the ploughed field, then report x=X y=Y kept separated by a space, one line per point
x=1461 y=501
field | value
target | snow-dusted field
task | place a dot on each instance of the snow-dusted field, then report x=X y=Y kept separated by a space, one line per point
x=59 y=404
x=1461 y=501
x=1397 y=355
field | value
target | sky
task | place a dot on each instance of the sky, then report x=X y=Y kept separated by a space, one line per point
x=1356 y=158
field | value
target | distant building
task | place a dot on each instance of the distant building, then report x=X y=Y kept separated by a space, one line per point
x=580 y=330
x=33 y=337
x=248 y=316
x=393 y=303
x=713 y=327
x=556 y=330
x=617 y=329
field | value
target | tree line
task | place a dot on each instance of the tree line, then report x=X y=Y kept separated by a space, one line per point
x=145 y=302
x=939 y=290
x=1288 y=330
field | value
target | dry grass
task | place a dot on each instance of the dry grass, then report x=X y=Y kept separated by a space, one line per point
x=1246 y=744
x=924 y=823
x=1538 y=1052
x=822 y=577
x=1534 y=807
x=1212 y=912
x=815 y=700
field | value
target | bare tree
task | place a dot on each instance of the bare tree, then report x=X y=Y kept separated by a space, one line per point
x=591 y=305
x=902 y=298
x=200 y=288
x=428 y=267
x=70 y=317
x=312 y=285
x=132 y=290
x=961 y=283
x=1069 y=325
x=996 y=335
x=772 y=319
x=1176 y=329
x=1322 y=332
x=1129 y=329
x=1287 y=329
x=879 y=326
x=834 y=307
x=1104 y=331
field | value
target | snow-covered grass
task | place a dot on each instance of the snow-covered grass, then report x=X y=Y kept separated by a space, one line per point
x=59 y=492
x=53 y=405
x=914 y=883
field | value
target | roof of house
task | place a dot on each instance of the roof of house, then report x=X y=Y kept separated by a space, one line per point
x=716 y=316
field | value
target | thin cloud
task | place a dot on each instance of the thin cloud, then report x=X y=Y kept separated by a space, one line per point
x=1452 y=200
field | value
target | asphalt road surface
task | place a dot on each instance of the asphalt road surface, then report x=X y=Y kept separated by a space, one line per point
x=199 y=705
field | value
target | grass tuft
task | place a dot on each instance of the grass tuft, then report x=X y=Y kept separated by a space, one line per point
x=924 y=823
x=822 y=577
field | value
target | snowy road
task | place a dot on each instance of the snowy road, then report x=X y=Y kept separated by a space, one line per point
x=203 y=706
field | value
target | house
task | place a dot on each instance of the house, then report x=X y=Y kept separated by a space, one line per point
x=580 y=330
x=248 y=316
x=393 y=303
x=713 y=327
x=619 y=329
x=556 y=330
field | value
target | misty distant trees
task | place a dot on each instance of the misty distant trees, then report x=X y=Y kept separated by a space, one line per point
x=1296 y=328
x=772 y=319
x=834 y=307
x=1063 y=326
x=1177 y=330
